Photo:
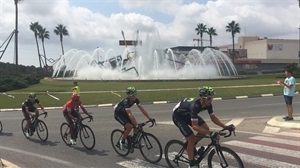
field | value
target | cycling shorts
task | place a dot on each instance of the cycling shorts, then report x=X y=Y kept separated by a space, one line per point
x=74 y=113
x=25 y=114
x=122 y=118
x=183 y=122
x=288 y=100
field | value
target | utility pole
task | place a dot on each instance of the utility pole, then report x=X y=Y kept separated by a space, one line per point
x=198 y=40
x=16 y=33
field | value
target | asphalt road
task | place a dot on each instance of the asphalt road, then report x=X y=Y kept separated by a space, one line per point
x=250 y=114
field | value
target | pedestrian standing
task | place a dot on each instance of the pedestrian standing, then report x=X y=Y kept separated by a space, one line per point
x=289 y=86
x=75 y=88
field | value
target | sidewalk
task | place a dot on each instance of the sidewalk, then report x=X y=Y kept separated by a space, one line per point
x=278 y=121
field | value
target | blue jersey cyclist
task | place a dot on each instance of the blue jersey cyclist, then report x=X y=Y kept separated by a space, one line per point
x=185 y=115
x=124 y=115
x=28 y=108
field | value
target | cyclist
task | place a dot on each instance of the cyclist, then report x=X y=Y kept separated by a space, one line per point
x=27 y=109
x=123 y=114
x=185 y=115
x=71 y=115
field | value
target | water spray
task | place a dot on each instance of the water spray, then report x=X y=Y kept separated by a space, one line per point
x=56 y=98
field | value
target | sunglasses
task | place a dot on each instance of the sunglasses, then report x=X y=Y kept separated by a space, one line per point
x=208 y=98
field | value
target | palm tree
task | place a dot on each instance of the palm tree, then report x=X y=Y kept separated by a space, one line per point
x=233 y=28
x=35 y=27
x=211 y=32
x=43 y=33
x=61 y=31
x=200 y=29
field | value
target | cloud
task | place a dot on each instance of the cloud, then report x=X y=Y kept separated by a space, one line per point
x=89 y=29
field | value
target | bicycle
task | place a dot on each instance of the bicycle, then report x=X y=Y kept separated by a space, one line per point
x=36 y=125
x=147 y=143
x=218 y=156
x=1 y=127
x=86 y=134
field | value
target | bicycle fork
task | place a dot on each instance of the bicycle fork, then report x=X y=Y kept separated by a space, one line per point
x=222 y=160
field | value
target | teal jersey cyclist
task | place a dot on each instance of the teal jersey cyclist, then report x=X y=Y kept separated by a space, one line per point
x=28 y=107
x=186 y=118
x=123 y=113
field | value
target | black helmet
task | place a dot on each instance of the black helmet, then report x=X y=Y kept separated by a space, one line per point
x=206 y=91
x=131 y=91
x=32 y=95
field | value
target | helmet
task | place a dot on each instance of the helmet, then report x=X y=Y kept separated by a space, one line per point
x=75 y=97
x=131 y=91
x=32 y=95
x=206 y=91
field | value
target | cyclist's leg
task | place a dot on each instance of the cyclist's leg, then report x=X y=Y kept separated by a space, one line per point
x=125 y=121
x=70 y=122
x=202 y=124
x=183 y=123
x=27 y=118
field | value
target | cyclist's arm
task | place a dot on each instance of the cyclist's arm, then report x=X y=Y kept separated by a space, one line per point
x=27 y=111
x=71 y=116
x=144 y=111
x=41 y=106
x=132 y=119
x=84 y=110
x=216 y=120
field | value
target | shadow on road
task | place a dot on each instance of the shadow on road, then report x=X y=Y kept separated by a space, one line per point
x=47 y=143
x=6 y=134
x=91 y=152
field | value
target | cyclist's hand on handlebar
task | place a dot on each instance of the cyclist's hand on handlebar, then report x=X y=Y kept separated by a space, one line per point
x=91 y=117
x=152 y=120
x=230 y=127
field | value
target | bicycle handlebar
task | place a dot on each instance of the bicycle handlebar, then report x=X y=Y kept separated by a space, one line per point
x=81 y=119
x=227 y=133
x=145 y=123
x=44 y=113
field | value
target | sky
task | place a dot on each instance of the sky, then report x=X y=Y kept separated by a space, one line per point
x=98 y=23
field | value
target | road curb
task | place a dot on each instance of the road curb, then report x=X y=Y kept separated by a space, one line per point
x=278 y=121
x=7 y=164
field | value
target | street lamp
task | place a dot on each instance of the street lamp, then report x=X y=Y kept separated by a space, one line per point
x=299 y=47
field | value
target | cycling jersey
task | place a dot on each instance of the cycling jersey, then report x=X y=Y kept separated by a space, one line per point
x=28 y=103
x=70 y=106
x=125 y=104
x=191 y=107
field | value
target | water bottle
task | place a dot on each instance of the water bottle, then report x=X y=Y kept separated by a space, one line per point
x=200 y=151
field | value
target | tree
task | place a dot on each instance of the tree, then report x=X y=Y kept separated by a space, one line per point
x=200 y=29
x=35 y=27
x=61 y=30
x=43 y=33
x=233 y=28
x=211 y=32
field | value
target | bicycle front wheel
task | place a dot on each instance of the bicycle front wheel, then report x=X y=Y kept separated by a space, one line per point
x=87 y=137
x=150 y=148
x=1 y=127
x=41 y=130
x=224 y=157
x=65 y=133
x=176 y=155
x=115 y=138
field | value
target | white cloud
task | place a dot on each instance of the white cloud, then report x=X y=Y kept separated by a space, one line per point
x=88 y=29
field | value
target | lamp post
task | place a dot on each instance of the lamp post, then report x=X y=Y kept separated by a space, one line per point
x=299 y=47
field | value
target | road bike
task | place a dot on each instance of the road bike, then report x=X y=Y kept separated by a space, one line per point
x=147 y=143
x=86 y=134
x=217 y=155
x=37 y=126
x=1 y=127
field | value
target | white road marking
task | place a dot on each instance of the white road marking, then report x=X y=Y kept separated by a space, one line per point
x=40 y=156
x=138 y=163
x=277 y=140
x=235 y=121
x=263 y=148
x=269 y=129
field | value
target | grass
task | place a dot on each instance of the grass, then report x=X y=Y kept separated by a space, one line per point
x=99 y=92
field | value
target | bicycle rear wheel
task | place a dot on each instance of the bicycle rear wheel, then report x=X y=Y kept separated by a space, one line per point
x=176 y=155
x=1 y=127
x=23 y=126
x=225 y=157
x=115 y=137
x=41 y=130
x=150 y=148
x=65 y=133
x=87 y=137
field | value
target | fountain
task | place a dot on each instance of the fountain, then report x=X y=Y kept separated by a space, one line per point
x=144 y=62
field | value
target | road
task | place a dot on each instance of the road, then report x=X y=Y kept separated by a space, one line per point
x=258 y=144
